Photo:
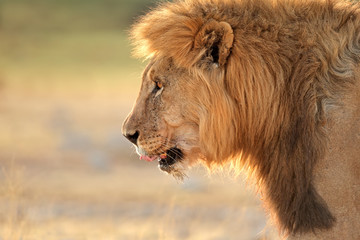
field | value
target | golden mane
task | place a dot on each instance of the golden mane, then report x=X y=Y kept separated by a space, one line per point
x=287 y=64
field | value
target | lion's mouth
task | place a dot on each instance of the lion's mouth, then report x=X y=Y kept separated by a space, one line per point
x=167 y=160
x=172 y=156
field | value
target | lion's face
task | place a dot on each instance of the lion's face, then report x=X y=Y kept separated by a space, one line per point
x=161 y=124
x=182 y=108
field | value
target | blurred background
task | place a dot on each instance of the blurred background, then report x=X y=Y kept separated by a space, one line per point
x=67 y=81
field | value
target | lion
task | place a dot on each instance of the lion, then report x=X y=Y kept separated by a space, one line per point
x=272 y=87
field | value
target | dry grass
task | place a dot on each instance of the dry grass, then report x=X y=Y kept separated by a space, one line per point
x=14 y=224
x=126 y=202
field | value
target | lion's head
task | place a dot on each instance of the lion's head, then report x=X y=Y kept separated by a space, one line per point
x=181 y=111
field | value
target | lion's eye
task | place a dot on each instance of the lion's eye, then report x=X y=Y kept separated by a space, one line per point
x=159 y=85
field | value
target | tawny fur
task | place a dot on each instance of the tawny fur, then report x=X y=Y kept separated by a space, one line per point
x=282 y=67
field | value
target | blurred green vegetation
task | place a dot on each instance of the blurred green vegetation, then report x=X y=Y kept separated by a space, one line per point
x=70 y=15
x=45 y=40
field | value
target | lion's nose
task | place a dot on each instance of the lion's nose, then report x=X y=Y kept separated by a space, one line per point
x=132 y=137
x=130 y=128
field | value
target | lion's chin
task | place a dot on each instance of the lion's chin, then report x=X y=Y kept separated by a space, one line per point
x=172 y=163
x=177 y=170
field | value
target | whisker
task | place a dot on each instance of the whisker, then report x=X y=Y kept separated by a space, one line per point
x=179 y=156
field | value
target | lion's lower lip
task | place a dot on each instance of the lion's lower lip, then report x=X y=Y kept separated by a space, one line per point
x=173 y=155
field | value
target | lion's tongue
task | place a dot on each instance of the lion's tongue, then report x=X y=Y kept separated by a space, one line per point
x=147 y=158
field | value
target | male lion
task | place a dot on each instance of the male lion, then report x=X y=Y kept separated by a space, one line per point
x=273 y=86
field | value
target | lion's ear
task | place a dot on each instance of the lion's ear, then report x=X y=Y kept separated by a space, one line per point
x=216 y=39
